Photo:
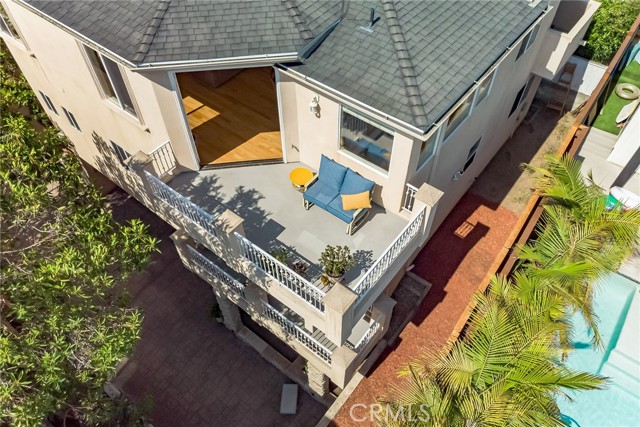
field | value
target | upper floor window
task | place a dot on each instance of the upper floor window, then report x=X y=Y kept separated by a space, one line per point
x=111 y=80
x=521 y=95
x=458 y=116
x=427 y=149
x=6 y=26
x=484 y=88
x=368 y=141
x=48 y=103
x=528 y=41
x=72 y=119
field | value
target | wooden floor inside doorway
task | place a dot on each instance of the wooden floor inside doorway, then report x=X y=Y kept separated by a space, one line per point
x=236 y=121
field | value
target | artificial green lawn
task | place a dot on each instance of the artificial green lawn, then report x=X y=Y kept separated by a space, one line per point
x=606 y=120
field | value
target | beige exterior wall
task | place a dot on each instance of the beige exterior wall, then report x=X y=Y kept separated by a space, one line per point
x=308 y=137
x=53 y=62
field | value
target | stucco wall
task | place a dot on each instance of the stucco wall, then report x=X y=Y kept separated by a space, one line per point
x=308 y=137
x=53 y=62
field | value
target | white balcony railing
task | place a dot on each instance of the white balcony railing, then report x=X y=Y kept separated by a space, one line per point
x=362 y=342
x=163 y=159
x=409 y=198
x=283 y=274
x=189 y=210
x=382 y=264
x=212 y=269
x=296 y=332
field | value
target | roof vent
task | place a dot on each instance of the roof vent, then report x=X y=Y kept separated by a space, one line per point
x=372 y=21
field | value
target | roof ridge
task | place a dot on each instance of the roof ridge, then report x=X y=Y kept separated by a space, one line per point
x=404 y=61
x=151 y=30
x=298 y=19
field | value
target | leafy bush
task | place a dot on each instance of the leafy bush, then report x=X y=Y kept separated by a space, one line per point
x=608 y=28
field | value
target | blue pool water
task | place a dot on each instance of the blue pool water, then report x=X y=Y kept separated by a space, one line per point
x=617 y=304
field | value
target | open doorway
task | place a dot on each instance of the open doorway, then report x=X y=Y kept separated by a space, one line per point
x=233 y=115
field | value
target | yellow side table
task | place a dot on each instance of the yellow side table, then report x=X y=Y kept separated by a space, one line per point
x=299 y=177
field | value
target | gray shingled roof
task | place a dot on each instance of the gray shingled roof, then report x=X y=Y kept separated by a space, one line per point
x=420 y=58
x=186 y=30
x=450 y=45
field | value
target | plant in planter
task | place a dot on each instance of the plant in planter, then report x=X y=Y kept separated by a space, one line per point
x=336 y=260
x=300 y=267
x=281 y=254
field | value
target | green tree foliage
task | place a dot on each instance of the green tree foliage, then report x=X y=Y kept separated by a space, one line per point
x=608 y=28
x=66 y=323
x=578 y=239
x=14 y=90
x=506 y=368
x=503 y=372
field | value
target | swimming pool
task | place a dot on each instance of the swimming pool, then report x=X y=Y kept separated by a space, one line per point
x=617 y=304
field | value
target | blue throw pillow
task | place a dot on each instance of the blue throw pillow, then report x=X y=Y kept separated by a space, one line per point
x=355 y=184
x=331 y=173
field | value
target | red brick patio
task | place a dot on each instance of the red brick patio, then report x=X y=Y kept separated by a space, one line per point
x=455 y=261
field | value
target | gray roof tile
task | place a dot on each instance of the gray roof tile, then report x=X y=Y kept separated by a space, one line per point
x=420 y=58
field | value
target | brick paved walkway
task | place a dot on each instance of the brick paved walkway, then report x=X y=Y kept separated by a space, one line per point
x=455 y=261
x=197 y=372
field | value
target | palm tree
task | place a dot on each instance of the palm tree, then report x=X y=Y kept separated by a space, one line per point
x=505 y=371
x=578 y=239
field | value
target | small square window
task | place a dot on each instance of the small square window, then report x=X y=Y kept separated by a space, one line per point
x=471 y=156
x=48 y=103
x=71 y=119
x=527 y=41
x=121 y=153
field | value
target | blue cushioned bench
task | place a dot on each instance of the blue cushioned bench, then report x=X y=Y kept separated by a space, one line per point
x=332 y=181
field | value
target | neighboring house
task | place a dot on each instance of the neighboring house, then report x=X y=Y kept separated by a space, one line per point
x=201 y=109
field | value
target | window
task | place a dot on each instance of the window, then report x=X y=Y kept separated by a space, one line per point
x=111 y=80
x=528 y=40
x=367 y=141
x=484 y=88
x=521 y=96
x=427 y=148
x=6 y=26
x=120 y=152
x=48 y=102
x=71 y=119
x=458 y=116
x=471 y=156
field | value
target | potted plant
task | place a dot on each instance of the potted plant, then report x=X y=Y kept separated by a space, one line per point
x=336 y=260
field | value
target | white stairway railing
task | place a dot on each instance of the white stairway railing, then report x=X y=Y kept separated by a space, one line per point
x=210 y=267
x=380 y=266
x=409 y=198
x=163 y=159
x=299 y=334
x=283 y=274
x=189 y=210
x=362 y=342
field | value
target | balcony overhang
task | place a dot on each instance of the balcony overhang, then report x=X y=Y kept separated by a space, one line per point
x=562 y=40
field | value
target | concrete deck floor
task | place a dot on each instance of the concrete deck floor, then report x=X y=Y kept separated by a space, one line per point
x=594 y=152
x=196 y=372
x=275 y=217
